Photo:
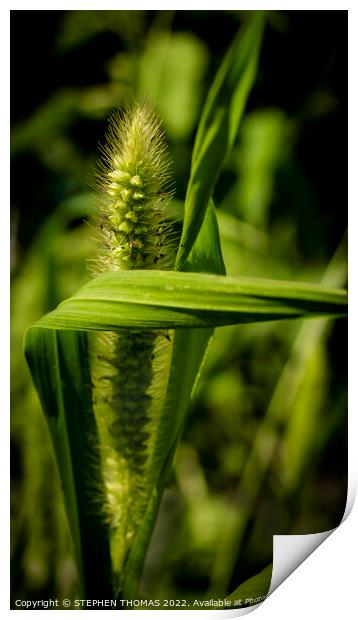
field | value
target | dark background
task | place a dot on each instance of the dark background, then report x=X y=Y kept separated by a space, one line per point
x=304 y=55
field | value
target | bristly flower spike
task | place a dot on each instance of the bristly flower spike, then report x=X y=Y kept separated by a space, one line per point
x=130 y=369
x=135 y=220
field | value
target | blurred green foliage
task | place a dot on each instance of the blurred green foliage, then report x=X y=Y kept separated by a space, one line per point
x=264 y=449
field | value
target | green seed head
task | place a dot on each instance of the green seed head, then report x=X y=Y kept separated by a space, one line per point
x=136 y=223
x=130 y=370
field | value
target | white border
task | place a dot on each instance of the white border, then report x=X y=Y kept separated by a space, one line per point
x=233 y=5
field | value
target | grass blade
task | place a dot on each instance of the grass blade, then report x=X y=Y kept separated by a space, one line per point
x=59 y=366
x=218 y=127
x=154 y=299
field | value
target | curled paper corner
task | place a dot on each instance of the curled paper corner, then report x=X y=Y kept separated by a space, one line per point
x=290 y=551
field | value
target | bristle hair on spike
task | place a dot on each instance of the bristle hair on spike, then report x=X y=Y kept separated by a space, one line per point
x=134 y=181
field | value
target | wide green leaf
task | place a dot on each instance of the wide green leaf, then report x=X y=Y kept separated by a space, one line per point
x=218 y=127
x=58 y=361
x=163 y=299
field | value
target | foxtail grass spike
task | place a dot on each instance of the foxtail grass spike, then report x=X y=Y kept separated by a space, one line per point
x=134 y=230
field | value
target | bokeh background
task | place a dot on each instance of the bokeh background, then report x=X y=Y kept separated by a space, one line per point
x=265 y=446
